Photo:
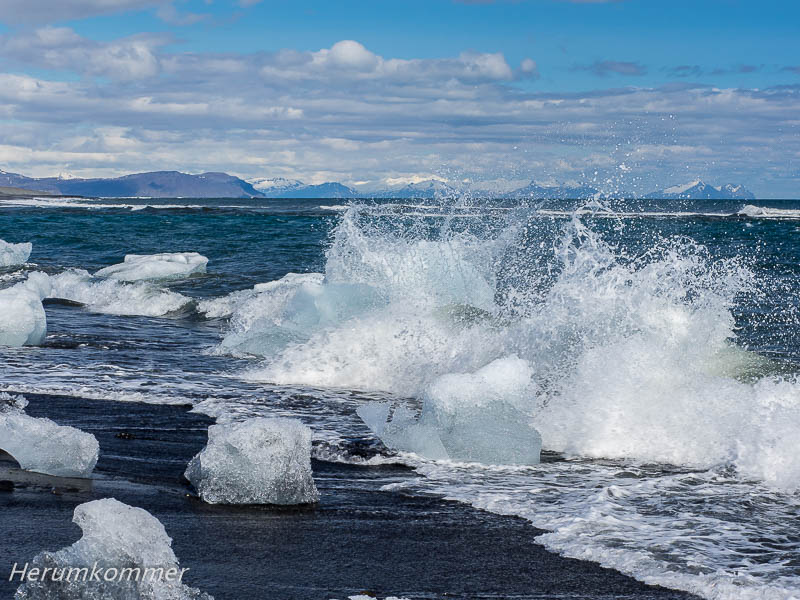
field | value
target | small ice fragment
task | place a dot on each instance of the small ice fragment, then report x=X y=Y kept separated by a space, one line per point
x=23 y=321
x=137 y=267
x=258 y=461
x=127 y=548
x=14 y=254
x=42 y=446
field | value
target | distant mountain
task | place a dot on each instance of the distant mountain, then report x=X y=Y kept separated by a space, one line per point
x=699 y=190
x=539 y=192
x=431 y=188
x=165 y=184
x=322 y=190
x=275 y=184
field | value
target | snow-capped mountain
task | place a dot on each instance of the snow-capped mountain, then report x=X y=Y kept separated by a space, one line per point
x=569 y=192
x=699 y=190
x=274 y=184
x=431 y=188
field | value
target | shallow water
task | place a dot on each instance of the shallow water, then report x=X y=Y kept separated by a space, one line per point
x=661 y=340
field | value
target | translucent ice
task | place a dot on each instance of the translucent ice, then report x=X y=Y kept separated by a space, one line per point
x=127 y=546
x=14 y=254
x=22 y=318
x=137 y=267
x=258 y=461
x=42 y=446
x=475 y=417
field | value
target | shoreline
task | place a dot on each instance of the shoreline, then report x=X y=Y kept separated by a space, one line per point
x=358 y=539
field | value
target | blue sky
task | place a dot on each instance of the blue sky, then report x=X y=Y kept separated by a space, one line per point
x=627 y=94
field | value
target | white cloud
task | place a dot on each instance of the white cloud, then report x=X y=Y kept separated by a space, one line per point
x=349 y=114
x=60 y=48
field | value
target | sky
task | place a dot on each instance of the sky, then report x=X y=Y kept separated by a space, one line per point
x=626 y=95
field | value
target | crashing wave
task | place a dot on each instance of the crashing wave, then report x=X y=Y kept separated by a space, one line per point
x=114 y=297
x=630 y=357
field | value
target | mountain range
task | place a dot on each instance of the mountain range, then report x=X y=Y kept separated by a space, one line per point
x=174 y=184
x=699 y=190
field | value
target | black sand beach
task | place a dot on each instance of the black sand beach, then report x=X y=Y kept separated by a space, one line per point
x=359 y=539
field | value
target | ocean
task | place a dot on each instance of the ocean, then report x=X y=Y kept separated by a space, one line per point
x=654 y=346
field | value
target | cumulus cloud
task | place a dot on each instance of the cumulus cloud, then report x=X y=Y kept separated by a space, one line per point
x=60 y=48
x=350 y=60
x=346 y=113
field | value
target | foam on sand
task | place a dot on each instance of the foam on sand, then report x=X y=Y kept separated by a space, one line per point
x=115 y=297
x=258 y=461
x=42 y=446
x=23 y=321
x=138 y=267
x=14 y=254
x=129 y=547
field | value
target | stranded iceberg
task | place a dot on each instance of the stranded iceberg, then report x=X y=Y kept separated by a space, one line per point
x=22 y=318
x=258 y=461
x=474 y=417
x=137 y=267
x=130 y=548
x=14 y=254
x=42 y=446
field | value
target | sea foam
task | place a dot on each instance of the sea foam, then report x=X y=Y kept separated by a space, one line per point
x=629 y=357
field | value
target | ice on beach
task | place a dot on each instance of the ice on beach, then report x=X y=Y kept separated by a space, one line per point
x=234 y=302
x=122 y=541
x=472 y=417
x=138 y=267
x=115 y=297
x=14 y=254
x=42 y=446
x=22 y=318
x=258 y=461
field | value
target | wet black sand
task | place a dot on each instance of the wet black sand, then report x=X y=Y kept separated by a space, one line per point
x=359 y=539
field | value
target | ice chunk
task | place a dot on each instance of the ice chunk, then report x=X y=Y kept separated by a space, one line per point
x=231 y=304
x=476 y=417
x=114 y=297
x=22 y=318
x=258 y=461
x=14 y=254
x=127 y=546
x=42 y=446
x=137 y=267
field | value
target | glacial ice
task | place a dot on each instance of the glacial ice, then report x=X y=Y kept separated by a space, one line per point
x=22 y=318
x=42 y=446
x=115 y=297
x=258 y=461
x=472 y=417
x=14 y=254
x=129 y=546
x=138 y=267
x=234 y=302
x=276 y=314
